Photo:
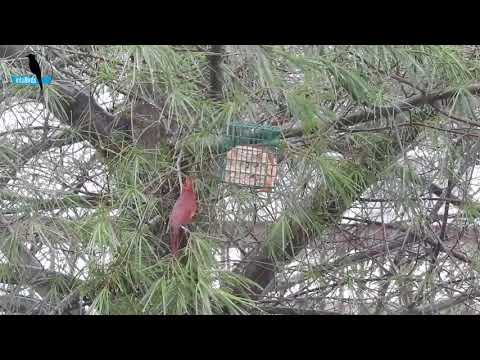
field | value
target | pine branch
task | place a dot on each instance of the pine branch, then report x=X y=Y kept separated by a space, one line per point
x=274 y=310
x=444 y=305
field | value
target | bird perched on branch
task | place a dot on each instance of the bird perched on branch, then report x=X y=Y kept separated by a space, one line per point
x=35 y=69
x=182 y=214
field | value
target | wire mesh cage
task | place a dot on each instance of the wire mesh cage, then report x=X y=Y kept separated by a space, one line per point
x=251 y=158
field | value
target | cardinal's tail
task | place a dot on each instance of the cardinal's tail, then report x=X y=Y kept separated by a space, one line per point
x=175 y=234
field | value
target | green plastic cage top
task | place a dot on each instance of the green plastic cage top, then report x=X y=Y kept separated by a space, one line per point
x=251 y=155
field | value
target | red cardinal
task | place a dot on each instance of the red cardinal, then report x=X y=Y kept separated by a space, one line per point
x=182 y=214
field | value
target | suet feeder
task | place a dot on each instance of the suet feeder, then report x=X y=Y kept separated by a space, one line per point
x=251 y=155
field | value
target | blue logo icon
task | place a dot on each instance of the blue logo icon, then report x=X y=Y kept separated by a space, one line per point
x=30 y=80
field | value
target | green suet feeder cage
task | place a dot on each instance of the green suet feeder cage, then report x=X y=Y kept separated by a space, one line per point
x=251 y=155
